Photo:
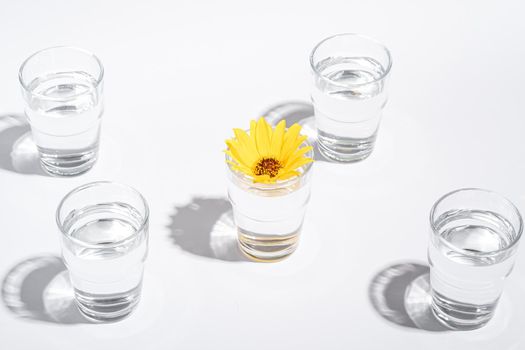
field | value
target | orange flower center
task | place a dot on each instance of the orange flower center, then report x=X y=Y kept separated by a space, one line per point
x=267 y=166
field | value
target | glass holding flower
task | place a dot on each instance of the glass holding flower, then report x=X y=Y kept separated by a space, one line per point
x=269 y=172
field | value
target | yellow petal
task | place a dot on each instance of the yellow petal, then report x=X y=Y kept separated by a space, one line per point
x=292 y=132
x=234 y=165
x=262 y=179
x=289 y=140
x=261 y=138
x=288 y=175
x=293 y=148
x=299 y=163
x=240 y=168
x=253 y=132
x=269 y=127
x=299 y=141
x=238 y=153
x=242 y=136
x=248 y=144
x=232 y=156
x=298 y=154
x=277 y=139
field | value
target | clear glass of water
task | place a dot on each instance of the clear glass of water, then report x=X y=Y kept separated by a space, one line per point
x=473 y=241
x=104 y=229
x=62 y=89
x=269 y=217
x=350 y=74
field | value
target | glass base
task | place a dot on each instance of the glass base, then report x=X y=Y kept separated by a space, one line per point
x=107 y=307
x=66 y=163
x=345 y=150
x=267 y=248
x=461 y=316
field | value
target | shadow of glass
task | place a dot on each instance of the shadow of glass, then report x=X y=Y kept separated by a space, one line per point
x=298 y=112
x=205 y=227
x=401 y=295
x=39 y=289
x=18 y=153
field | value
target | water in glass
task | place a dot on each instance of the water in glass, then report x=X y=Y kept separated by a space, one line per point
x=269 y=223
x=348 y=97
x=64 y=110
x=467 y=284
x=106 y=271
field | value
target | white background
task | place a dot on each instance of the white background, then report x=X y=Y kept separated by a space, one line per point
x=179 y=76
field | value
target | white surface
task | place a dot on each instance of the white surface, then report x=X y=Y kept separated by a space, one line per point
x=180 y=75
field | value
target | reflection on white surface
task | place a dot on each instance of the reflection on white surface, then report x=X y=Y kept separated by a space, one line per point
x=205 y=227
x=59 y=302
x=395 y=297
x=24 y=156
x=401 y=295
x=223 y=236
x=39 y=289
x=418 y=305
x=18 y=152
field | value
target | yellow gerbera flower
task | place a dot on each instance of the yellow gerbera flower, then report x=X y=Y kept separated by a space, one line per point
x=268 y=154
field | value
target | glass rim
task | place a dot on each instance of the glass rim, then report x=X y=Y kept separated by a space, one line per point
x=80 y=188
x=512 y=244
x=355 y=35
x=278 y=184
x=73 y=48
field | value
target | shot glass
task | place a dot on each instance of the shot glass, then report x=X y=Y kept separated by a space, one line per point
x=104 y=229
x=269 y=217
x=349 y=92
x=473 y=241
x=62 y=90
